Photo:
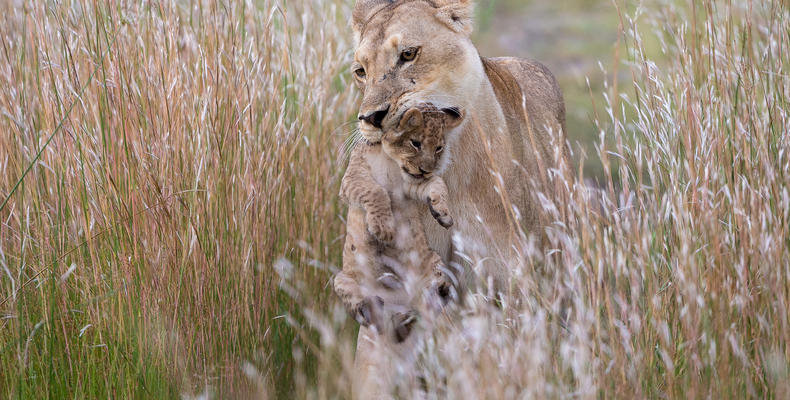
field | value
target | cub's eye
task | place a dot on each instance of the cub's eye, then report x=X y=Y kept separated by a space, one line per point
x=409 y=54
x=439 y=149
x=415 y=144
x=360 y=73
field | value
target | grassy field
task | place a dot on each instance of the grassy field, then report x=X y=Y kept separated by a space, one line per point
x=169 y=219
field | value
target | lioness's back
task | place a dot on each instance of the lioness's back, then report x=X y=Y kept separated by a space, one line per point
x=537 y=83
x=527 y=89
x=534 y=113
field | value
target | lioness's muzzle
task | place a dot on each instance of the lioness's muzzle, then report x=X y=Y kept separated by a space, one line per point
x=375 y=118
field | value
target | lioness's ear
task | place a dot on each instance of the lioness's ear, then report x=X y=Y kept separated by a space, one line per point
x=411 y=120
x=455 y=116
x=457 y=14
x=363 y=11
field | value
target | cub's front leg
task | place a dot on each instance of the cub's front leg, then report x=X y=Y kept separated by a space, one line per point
x=434 y=192
x=359 y=189
x=366 y=310
x=348 y=290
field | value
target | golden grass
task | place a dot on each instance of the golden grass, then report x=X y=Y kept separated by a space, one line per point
x=177 y=234
x=205 y=145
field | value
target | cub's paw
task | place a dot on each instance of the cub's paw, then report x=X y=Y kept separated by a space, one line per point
x=368 y=311
x=381 y=226
x=403 y=324
x=444 y=290
x=443 y=287
x=390 y=281
x=440 y=212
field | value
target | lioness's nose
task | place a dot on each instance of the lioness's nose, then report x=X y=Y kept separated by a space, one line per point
x=376 y=117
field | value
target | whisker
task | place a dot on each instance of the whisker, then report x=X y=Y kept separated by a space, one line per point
x=354 y=138
x=343 y=125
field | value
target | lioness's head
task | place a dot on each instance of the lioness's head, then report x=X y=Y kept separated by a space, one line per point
x=417 y=144
x=412 y=52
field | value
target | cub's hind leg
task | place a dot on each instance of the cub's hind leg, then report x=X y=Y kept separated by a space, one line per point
x=359 y=267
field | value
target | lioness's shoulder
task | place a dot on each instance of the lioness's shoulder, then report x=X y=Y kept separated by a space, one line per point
x=531 y=75
x=523 y=68
x=535 y=81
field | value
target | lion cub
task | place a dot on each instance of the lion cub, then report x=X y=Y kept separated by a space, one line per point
x=386 y=258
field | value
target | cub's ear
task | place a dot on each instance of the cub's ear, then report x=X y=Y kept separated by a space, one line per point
x=411 y=120
x=454 y=116
x=456 y=14
x=363 y=11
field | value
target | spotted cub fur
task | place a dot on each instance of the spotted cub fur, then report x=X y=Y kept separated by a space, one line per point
x=386 y=257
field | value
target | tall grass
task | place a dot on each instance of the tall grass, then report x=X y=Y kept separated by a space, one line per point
x=176 y=235
x=199 y=143
x=674 y=279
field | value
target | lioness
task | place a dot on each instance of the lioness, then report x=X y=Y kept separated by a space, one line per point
x=385 y=185
x=415 y=51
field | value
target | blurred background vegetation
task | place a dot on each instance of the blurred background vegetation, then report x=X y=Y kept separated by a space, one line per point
x=578 y=41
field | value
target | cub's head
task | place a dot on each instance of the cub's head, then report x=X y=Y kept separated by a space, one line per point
x=417 y=144
x=412 y=52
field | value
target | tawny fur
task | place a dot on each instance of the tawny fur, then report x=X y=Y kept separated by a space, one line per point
x=386 y=185
x=499 y=158
x=514 y=130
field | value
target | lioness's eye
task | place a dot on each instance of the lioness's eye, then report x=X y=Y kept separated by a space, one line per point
x=439 y=149
x=416 y=144
x=409 y=54
x=360 y=73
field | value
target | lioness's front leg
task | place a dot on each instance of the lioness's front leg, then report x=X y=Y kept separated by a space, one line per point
x=434 y=192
